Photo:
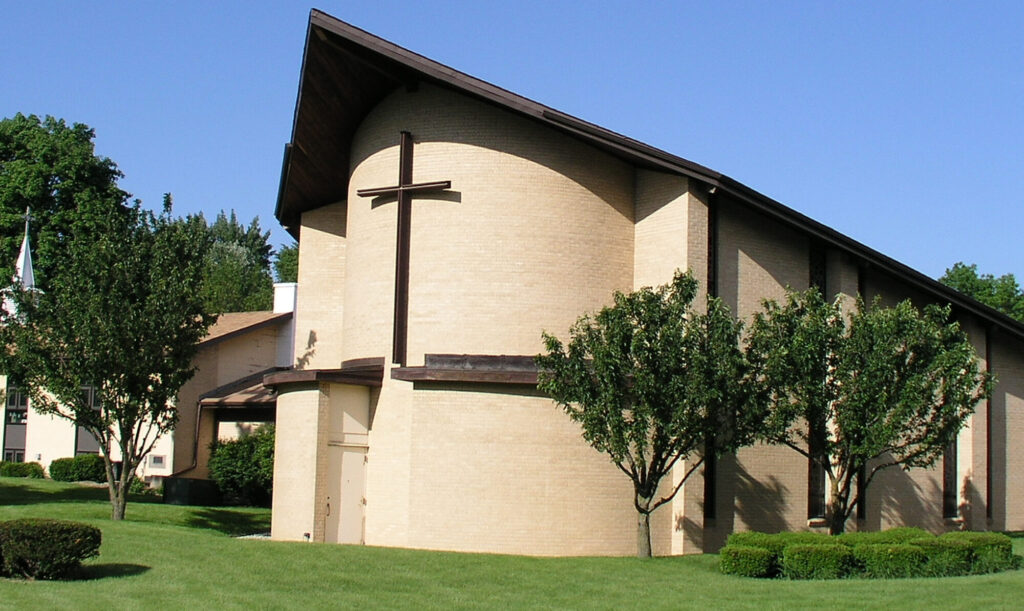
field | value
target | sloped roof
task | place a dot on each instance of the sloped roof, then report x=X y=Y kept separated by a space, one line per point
x=231 y=324
x=347 y=71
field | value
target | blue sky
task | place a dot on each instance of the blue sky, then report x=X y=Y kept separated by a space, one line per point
x=898 y=123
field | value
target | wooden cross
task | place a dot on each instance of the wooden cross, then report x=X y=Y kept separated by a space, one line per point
x=404 y=191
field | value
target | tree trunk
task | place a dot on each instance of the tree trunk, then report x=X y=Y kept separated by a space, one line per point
x=836 y=510
x=118 y=504
x=643 y=535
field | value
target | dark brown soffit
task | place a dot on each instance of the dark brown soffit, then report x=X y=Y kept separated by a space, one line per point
x=359 y=372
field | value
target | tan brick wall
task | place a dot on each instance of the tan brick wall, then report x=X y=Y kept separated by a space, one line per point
x=321 y=291
x=536 y=229
x=300 y=462
x=762 y=487
x=662 y=206
x=517 y=478
x=1008 y=434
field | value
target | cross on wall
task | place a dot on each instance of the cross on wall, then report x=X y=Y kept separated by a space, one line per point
x=404 y=191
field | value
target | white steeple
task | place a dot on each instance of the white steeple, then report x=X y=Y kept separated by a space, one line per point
x=23 y=268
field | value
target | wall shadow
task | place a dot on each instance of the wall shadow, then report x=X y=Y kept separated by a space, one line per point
x=761 y=503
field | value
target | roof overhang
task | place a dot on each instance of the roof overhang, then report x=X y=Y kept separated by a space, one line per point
x=347 y=71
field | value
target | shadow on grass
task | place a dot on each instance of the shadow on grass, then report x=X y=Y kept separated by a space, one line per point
x=229 y=521
x=92 y=572
x=24 y=491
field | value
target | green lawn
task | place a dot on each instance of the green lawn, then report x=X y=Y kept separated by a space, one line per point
x=185 y=557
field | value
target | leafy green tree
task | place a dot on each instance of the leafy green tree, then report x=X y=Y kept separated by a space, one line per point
x=123 y=314
x=1002 y=293
x=651 y=381
x=886 y=387
x=52 y=168
x=236 y=271
x=286 y=263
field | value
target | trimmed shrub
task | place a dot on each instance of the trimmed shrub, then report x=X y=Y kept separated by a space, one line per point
x=46 y=549
x=891 y=536
x=83 y=468
x=946 y=557
x=746 y=561
x=890 y=560
x=244 y=468
x=817 y=561
x=992 y=552
x=32 y=470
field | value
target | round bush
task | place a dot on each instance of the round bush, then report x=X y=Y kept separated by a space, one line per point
x=244 y=468
x=82 y=468
x=46 y=549
x=746 y=561
x=817 y=561
x=890 y=560
x=32 y=470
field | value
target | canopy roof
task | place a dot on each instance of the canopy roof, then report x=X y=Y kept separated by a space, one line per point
x=347 y=71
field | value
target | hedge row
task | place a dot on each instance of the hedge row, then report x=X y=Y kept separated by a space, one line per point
x=31 y=470
x=83 y=468
x=45 y=549
x=901 y=552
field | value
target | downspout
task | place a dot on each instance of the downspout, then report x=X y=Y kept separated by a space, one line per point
x=195 y=442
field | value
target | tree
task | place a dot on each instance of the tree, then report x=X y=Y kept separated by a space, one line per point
x=286 y=263
x=652 y=382
x=123 y=315
x=51 y=168
x=1002 y=293
x=888 y=387
x=236 y=274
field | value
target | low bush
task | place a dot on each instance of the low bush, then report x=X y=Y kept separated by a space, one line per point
x=991 y=552
x=891 y=536
x=817 y=561
x=747 y=561
x=890 y=560
x=946 y=557
x=46 y=549
x=900 y=552
x=83 y=468
x=31 y=470
x=244 y=468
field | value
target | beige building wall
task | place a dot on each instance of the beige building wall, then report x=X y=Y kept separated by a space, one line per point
x=762 y=487
x=1008 y=434
x=536 y=229
x=48 y=438
x=300 y=463
x=321 y=292
x=533 y=485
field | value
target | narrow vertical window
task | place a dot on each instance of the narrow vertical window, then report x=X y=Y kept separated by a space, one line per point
x=816 y=435
x=950 y=506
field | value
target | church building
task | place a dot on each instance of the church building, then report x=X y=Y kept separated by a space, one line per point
x=444 y=223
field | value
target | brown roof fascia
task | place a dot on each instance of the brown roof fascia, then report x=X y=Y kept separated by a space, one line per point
x=639 y=152
x=471 y=368
x=359 y=375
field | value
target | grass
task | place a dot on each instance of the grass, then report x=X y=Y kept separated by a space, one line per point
x=184 y=557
